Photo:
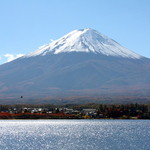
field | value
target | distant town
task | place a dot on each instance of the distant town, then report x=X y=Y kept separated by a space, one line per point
x=75 y=111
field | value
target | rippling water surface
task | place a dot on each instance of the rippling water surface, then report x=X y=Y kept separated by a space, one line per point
x=75 y=135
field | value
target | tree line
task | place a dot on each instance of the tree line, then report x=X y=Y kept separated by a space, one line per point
x=103 y=111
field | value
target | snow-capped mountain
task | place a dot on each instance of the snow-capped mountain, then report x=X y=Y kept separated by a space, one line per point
x=83 y=62
x=85 y=40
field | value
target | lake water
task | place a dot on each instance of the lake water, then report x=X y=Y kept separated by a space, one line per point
x=74 y=134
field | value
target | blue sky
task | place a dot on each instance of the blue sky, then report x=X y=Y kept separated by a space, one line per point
x=25 y=25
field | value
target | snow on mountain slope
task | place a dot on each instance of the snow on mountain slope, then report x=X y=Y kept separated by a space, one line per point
x=85 y=40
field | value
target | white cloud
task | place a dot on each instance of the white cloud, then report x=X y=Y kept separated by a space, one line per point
x=11 y=57
x=51 y=40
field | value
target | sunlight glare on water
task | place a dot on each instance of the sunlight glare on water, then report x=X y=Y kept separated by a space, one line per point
x=75 y=134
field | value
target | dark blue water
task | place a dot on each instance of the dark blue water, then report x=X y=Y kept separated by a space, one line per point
x=75 y=135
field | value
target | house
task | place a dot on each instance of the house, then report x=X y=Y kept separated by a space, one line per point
x=89 y=111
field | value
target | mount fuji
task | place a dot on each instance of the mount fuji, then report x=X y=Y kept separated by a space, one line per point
x=85 y=40
x=81 y=63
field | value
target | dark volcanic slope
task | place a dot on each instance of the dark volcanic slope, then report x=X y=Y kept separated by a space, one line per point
x=75 y=71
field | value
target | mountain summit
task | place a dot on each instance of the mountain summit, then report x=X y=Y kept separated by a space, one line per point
x=81 y=63
x=86 y=40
